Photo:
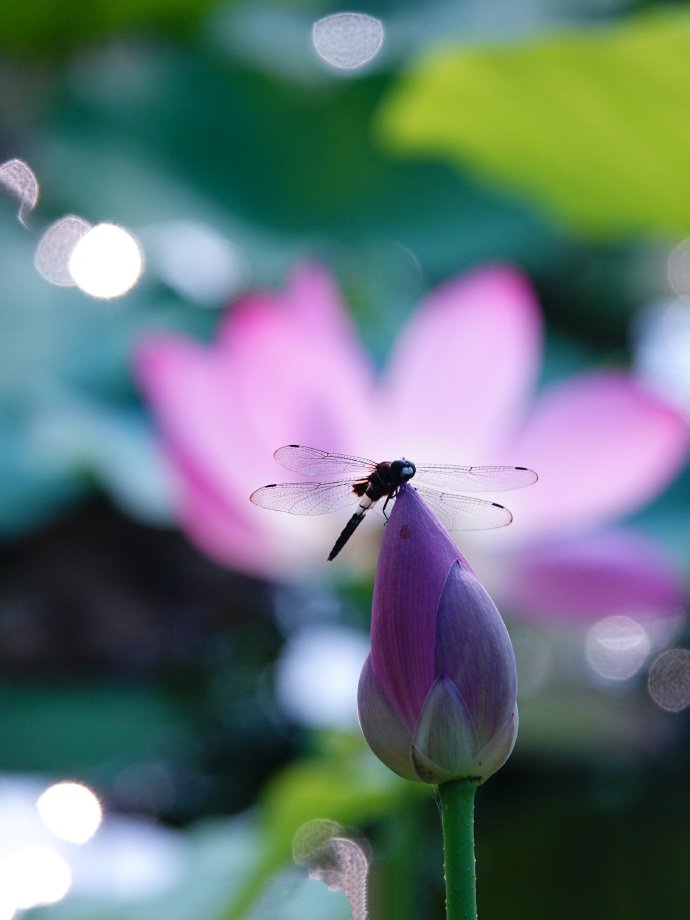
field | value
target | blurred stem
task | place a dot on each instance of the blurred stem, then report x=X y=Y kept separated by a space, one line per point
x=399 y=876
x=457 y=819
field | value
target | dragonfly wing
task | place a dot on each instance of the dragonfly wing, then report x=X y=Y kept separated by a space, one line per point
x=464 y=512
x=305 y=497
x=475 y=478
x=310 y=461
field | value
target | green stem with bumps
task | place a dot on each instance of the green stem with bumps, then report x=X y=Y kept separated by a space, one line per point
x=457 y=818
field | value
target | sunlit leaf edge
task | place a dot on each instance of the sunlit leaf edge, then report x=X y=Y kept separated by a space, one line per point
x=590 y=123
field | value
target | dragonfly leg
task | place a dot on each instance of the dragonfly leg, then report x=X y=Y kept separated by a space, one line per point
x=392 y=494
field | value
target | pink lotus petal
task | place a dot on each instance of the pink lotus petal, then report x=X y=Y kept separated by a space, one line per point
x=288 y=367
x=603 y=446
x=315 y=300
x=228 y=534
x=215 y=449
x=310 y=297
x=180 y=381
x=284 y=369
x=177 y=379
x=585 y=579
x=277 y=374
x=294 y=368
x=463 y=367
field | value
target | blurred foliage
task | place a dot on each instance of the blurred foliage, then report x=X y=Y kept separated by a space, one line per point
x=121 y=647
x=347 y=784
x=48 y=723
x=592 y=124
x=558 y=831
x=144 y=132
x=217 y=855
x=114 y=135
x=134 y=664
x=69 y=416
x=52 y=28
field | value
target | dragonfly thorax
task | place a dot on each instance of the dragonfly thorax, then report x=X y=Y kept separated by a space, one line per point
x=387 y=478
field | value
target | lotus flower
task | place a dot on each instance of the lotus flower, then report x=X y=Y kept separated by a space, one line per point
x=437 y=695
x=458 y=388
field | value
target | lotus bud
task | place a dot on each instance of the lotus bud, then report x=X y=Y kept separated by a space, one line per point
x=437 y=694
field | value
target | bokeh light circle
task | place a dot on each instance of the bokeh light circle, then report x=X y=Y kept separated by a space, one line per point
x=56 y=246
x=197 y=261
x=34 y=875
x=327 y=657
x=347 y=40
x=668 y=681
x=106 y=262
x=616 y=647
x=19 y=180
x=71 y=811
x=678 y=269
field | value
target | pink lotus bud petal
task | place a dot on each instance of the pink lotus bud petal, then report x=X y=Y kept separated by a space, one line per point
x=386 y=733
x=476 y=653
x=445 y=731
x=494 y=754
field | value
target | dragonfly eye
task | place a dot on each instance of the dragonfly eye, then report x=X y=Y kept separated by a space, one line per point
x=408 y=471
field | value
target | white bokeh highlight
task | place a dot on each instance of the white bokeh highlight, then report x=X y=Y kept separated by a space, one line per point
x=347 y=41
x=678 y=269
x=197 y=262
x=129 y=859
x=32 y=876
x=19 y=180
x=71 y=811
x=106 y=262
x=661 y=345
x=55 y=248
x=668 y=680
x=616 y=647
x=318 y=673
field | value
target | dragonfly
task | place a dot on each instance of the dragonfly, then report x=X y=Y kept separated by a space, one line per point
x=369 y=482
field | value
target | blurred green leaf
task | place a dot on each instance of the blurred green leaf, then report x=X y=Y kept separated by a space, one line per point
x=70 y=728
x=593 y=124
x=161 y=134
x=46 y=26
x=349 y=788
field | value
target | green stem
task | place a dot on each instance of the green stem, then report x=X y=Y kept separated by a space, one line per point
x=457 y=819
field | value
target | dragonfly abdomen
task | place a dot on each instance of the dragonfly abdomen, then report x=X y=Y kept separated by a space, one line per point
x=365 y=503
x=348 y=530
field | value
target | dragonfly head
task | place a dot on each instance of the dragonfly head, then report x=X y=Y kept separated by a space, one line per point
x=403 y=469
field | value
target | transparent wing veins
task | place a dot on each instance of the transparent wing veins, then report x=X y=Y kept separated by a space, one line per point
x=310 y=461
x=305 y=497
x=475 y=478
x=464 y=512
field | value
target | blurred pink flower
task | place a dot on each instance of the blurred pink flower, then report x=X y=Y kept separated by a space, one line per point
x=458 y=388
